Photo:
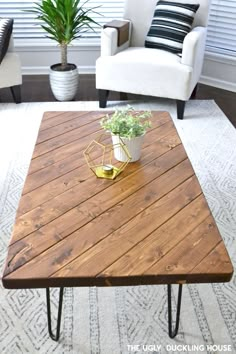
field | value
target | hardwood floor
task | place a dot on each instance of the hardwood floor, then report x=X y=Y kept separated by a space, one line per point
x=36 y=88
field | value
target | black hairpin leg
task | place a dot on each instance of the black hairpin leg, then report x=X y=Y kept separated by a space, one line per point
x=173 y=332
x=54 y=337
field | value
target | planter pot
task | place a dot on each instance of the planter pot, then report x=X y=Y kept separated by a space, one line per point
x=133 y=145
x=64 y=83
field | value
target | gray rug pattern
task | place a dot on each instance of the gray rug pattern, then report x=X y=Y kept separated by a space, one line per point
x=108 y=320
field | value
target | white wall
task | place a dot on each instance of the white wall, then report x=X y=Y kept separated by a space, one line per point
x=37 y=58
x=218 y=70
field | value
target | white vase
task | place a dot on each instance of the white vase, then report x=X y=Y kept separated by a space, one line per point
x=133 y=145
x=64 y=84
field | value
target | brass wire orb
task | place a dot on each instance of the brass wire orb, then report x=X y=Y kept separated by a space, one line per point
x=99 y=156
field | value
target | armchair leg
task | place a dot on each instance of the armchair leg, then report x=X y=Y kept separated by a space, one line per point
x=102 y=96
x=16 y=93
x=180 y=109
x=194 y=93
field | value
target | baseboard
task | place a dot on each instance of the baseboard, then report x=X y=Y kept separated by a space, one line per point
x=224 y=85
x=44 y=70
x=206 y=80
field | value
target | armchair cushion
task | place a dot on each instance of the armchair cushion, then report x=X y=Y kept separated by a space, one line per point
x=172 y=21
x=144 y=71
x=6 y=26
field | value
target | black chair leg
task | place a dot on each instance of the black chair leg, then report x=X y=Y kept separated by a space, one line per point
x=180 y=109
x=194 y=93
x=102 y=96
x=16 y=93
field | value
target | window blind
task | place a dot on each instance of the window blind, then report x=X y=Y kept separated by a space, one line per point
x=221 y=36
x=25 y=25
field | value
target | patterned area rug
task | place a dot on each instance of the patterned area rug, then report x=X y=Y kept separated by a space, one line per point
x=129 y=319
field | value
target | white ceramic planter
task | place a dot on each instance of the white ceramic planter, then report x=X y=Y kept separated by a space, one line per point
x=64 y=84
x=133 y=145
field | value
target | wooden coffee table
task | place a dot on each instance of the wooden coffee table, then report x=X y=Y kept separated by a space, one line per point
x=151 y=225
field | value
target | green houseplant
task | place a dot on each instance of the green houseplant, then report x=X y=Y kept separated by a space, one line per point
x=127 y=126
x=64 y=21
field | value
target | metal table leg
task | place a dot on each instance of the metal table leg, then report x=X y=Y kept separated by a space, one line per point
x=173 y=332
x=54 y=337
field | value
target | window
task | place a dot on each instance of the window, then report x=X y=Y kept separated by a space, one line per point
x=221 y=36
x=25 y=23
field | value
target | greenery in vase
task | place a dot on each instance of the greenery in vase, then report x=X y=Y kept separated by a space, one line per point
x=64 y=21
x=127 y=122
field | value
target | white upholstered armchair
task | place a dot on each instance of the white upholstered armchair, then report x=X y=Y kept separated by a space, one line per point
x=10 y=72
x=133 y=68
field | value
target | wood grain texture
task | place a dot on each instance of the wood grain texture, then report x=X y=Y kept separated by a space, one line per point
x=151 y=225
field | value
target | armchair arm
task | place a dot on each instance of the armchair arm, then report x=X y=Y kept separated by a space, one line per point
x=109 y=39
x=194 y=47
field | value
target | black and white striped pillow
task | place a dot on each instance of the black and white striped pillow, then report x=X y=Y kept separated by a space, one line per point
x=171 y=23
x=6 y=25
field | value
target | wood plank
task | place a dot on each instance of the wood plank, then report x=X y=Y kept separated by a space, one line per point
x=62 y=128
x=188 y=253
x=81 y=143
x=113 y=247
x=116 y=191
x=105 y=252
x=64 y=139
x=147 y=253
x=74 y=160
x=73 y=229
x=79 y=119
x=54 y=118
x=216 y=263
x=136 y=203
x=60 y=153
x=159 y=132
x=50 y=173
x=67 y=138
x=40 y=192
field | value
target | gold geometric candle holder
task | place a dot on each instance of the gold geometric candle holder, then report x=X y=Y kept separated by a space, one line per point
x=99 y=156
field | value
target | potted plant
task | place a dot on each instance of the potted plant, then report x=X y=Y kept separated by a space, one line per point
x=127 y=126
x=64 y=21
